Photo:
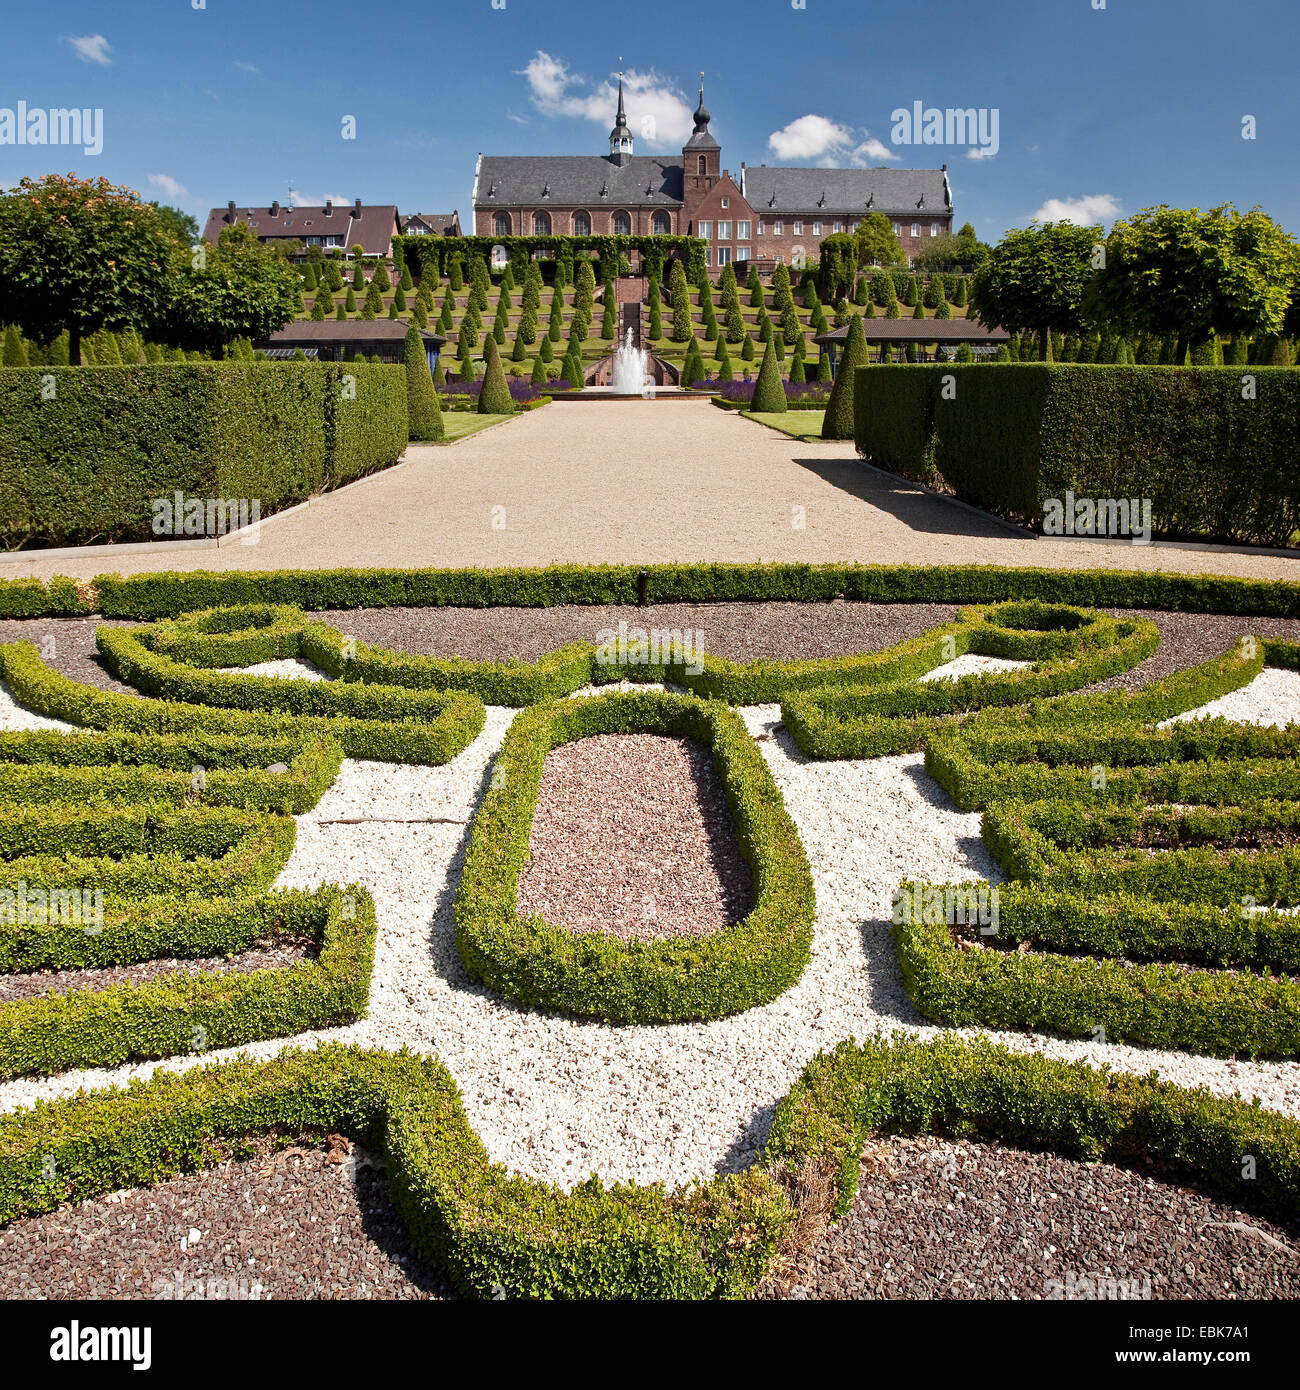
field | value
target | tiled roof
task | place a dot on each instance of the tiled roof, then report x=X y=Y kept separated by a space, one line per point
x=577 y=180
x=845 y=192
x=374 y=226
x=443 y=223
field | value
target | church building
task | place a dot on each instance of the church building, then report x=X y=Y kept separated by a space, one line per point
x=770 y=215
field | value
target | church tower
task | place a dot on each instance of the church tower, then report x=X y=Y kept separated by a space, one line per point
x=620 y=138
x=701 y=155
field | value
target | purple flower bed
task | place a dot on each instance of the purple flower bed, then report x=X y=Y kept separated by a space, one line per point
x=818 y=391
x=521 y=389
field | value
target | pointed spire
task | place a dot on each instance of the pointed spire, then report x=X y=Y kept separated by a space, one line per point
x=620 y=138
x=702 y=116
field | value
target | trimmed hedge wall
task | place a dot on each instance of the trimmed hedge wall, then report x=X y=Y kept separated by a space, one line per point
x=598 y=975
x=1215 y=466
x=170 y=593
x=164 y=1016
x=85 y=450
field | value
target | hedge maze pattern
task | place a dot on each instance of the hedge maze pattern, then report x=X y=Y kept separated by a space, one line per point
x=1151 y=872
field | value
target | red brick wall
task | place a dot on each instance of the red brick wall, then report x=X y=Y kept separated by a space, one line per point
x=785 y=244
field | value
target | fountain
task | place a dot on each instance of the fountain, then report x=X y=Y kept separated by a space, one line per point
x=631 y=373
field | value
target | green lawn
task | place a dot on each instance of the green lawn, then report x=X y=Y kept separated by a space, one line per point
x=460 y=424
x=798 y=424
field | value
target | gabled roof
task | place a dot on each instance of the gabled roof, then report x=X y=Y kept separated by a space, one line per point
x=576 y=180
x=877 y=330
x=846 y=192
x=374 y=226
x=443 y=223
x=318 y=331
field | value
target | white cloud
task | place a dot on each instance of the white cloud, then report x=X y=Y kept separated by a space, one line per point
x=820 y=140
x=809 y=137
x=171 y=188
x=982 y=152
x=298 y=199
x=1085 y=211
x=92 y=48
x=247 y=67
x=872 y=148
x=657 y=111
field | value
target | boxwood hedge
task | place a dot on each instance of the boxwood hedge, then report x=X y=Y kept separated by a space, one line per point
x=1212 y=448
x=84 y=451
x=598 y=975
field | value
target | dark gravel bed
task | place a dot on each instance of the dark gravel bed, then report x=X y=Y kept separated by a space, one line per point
x=737 y=631
x=938 y=1218
x=67 y=644
x=633 y=836
x=1187 y=639
x=39 y=984
x=311 y=1221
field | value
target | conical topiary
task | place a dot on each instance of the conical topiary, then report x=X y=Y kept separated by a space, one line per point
x=769 y=390
x=495 y=397
x=747 y=351
x=837 y=423
x=693 y=367
x=422 y=404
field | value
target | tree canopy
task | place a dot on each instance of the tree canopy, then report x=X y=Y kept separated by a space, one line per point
x=236 y=289
x=80 y=255
x=1193 y=274
x=1037 y=277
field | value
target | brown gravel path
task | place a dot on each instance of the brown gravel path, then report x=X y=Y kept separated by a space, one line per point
x=310 y=1221
x=644 y=481
x=633 y=836
x=40 y=984
x=936 y=1218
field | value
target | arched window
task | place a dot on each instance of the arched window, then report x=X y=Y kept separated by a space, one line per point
x=541 y=224
x=662 y=224
x=703 y=167
x=501 y=224
x=622 y=224
x=581 y=224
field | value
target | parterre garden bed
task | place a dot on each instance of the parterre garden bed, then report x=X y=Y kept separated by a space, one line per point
x=1144 y=874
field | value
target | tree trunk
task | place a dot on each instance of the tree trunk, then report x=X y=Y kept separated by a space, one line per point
x=1045 y=338
x=74 y=347
x=1180 y=352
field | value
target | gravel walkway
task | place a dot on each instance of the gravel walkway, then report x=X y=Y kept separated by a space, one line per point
x=664 y=480
x=310 y=1221
x=937 y=1218
x=633 y=836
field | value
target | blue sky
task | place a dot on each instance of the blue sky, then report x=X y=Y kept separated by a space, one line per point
x=1100 y=111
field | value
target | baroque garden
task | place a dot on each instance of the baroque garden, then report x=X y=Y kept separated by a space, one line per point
x=617 y=920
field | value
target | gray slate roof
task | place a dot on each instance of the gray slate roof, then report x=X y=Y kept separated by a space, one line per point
x=772 y=191
x=576 y=180
x=909 y=330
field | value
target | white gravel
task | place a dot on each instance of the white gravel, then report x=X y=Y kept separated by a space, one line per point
x=14 y=716
x=1272 y=698
x=558 y=1099
x=972 y=664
